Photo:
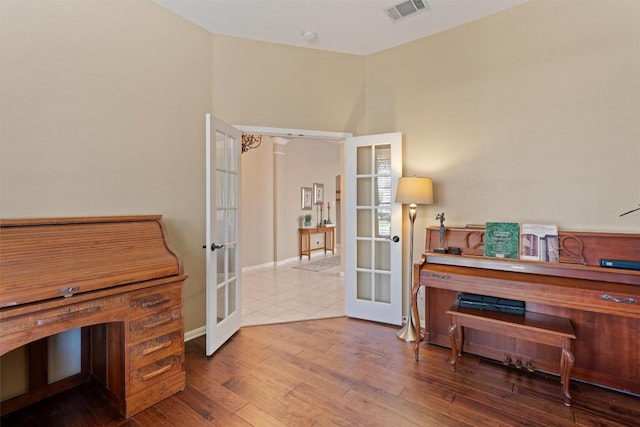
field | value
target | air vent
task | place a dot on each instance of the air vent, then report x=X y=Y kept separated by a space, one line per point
x=406 y=8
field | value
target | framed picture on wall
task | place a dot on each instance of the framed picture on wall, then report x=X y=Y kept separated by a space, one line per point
x=306 y=198
x=318 y=193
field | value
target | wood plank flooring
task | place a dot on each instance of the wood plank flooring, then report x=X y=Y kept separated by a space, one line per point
x=344 y=372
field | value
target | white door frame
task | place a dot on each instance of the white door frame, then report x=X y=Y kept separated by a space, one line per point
x=294 y=133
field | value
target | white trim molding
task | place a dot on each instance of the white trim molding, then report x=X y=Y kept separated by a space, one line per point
x=293 y=133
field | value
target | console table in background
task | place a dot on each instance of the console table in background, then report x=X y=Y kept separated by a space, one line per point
x=602 y=304
x=115 y=278
x=305 y=234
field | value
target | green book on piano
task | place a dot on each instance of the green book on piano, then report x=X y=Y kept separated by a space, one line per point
x=501 y=239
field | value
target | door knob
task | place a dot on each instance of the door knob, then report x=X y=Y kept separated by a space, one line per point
x=213 y=246
x=396 y=239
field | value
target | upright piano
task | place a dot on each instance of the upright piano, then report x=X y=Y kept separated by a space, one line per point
x=603 y=304
x=118 y=280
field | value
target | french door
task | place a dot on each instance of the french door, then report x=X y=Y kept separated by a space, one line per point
x=373 y=222
x=223 y=281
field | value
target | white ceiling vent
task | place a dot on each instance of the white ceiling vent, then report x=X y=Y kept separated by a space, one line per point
x=406 y=8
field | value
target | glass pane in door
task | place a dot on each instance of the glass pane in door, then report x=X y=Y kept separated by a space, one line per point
x=383 y=288
x=363 y=225
x=222 y=312
x=363 y=248
x=231 y=296
x=364 y=192
x=373 y=222
x=364 y=286
x=363 y=160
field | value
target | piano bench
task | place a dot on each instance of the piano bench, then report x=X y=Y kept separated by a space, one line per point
x=534 y=327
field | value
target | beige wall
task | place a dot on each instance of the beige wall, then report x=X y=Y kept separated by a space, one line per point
x=266 y=84
x=257 y=209
x=530 y=115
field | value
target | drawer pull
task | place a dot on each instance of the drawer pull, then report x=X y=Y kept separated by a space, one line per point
x=619 y=300
x=157 y=301
x=156 y=372
x=150 y=350
x=69 y=315
x=160 y=322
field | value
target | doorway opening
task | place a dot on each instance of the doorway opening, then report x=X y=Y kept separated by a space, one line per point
x=272 y=212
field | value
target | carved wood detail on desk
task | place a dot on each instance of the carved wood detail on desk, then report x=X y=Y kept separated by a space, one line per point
x=603 y=304
x=114 y=277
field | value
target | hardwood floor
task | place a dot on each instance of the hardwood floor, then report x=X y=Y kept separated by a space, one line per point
x=349 y=373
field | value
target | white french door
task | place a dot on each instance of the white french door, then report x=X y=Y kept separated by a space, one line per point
x=373 y=224
x=223 y=282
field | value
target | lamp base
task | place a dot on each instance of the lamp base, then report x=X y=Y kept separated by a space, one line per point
x=408 y=332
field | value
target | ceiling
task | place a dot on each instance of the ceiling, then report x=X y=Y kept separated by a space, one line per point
x=358 y=27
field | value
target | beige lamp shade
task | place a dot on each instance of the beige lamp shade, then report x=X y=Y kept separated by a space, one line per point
x=415 y=190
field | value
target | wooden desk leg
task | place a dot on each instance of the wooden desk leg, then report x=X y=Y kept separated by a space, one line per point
x=567 y=359
x=454 y=347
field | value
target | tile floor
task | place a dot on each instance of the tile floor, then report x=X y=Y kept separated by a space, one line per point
x=286 y=294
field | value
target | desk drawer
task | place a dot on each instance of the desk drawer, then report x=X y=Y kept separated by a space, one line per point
x=20 y=330
x=155 y=349
x=146 y=302
x=155 y=373
x=155 y=325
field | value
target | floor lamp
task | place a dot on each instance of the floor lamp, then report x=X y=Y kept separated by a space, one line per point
x=412 y=191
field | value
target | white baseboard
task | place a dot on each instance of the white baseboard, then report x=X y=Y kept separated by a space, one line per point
x=287 y=261
x=281 y=262
x=195 y=333
x=257 y=267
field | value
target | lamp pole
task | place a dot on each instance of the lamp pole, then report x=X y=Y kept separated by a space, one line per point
x=409 y=332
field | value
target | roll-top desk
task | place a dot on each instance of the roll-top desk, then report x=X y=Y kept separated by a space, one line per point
x=117 y=279
x=603 y=304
